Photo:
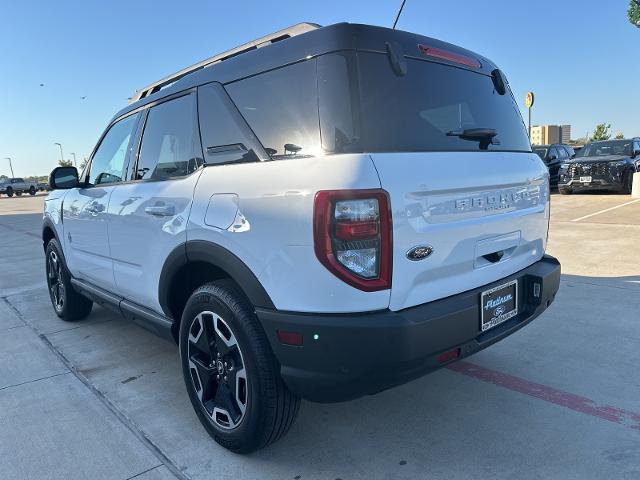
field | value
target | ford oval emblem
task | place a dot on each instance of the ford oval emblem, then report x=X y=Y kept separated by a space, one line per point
x=419 y=253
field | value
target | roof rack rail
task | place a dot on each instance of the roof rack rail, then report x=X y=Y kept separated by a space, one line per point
x=283 y=34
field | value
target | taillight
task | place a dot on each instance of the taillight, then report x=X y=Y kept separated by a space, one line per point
x=448 y=55
x=352 y=235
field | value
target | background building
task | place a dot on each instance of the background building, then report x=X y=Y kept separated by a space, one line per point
x=547 y=134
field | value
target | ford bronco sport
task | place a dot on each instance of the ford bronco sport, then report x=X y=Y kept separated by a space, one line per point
x=323 y=213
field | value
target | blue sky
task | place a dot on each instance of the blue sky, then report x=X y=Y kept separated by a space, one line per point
x=582 y=58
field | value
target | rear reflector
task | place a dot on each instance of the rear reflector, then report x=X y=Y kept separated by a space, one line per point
x=290 y=338
x=448 y=356
x=449 y=56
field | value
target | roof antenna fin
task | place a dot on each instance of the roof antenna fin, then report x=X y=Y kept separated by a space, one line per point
x=398 y=16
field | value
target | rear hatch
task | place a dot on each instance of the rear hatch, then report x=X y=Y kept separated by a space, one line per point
x=451 y=149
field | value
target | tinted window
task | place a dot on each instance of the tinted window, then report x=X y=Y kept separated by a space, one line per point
x=562 y=153
x=415 y=112
x=338 y=101
x=108 y=163
x=281 y=107
x=541 y=152
x=170 y=145
x=602 y=149
x=225 y=135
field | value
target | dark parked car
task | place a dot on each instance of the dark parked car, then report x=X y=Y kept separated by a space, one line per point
x=607 y=165
x=554 y=156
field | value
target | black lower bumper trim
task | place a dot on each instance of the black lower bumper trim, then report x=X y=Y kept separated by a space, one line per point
x=346 y=356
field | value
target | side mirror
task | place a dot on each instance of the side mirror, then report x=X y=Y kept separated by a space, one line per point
x=635 y=153
x=552 y=158
x=64 y=178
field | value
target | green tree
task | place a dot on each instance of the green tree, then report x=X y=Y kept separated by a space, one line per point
x=634 y=13
x=601 y=132
x=65 y=163
x=83 y=164
x=619 y=136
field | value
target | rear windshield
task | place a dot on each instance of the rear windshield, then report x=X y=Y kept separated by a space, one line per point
x=348 y=103
x=415 y=112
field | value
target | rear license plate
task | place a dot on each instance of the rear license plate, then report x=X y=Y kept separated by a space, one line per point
x=498 y=305
x=585 y=179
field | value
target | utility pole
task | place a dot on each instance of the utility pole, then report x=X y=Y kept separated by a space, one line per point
x=10 y=166
x=61 y=156
x=74 y=160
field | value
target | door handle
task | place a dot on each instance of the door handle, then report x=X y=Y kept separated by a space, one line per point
x=161 y=210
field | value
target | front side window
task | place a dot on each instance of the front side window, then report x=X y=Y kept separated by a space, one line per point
x=281 y=107
x=562 y=153
x=170 y=145
x=541 y=152
x=109 y=161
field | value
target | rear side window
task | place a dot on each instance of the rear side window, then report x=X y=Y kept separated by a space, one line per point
x=416 y=111
x=108 y=163
x=225 y=135
x=281 y=107
x=170 y=143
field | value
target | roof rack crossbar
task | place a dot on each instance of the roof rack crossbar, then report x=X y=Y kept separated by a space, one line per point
x=292 y=31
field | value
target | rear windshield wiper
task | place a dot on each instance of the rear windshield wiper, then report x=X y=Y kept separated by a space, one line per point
x=483 y=135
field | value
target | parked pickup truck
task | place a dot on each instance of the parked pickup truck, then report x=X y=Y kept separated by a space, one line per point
x=17 y=186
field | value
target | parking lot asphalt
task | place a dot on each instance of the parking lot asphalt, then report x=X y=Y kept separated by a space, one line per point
x=104 y=399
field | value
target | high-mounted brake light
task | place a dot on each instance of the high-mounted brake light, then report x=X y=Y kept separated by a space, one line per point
x=435 y=52
x=352 y=235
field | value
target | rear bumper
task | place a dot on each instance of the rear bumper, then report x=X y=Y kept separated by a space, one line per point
x=364 y=353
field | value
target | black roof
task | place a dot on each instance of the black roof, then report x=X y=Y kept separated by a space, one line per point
x=340 y=36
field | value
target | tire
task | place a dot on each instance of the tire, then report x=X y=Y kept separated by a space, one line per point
x=18 y=193
x=32 y=190
x=627 y=183
x=565 y=191
x=68 y=304
x=9 y=192
x=220 y=338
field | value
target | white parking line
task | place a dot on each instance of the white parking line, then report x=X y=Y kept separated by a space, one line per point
x=605 y=210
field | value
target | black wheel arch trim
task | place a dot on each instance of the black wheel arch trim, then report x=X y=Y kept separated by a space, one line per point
x=47 y=223
x=218 y=256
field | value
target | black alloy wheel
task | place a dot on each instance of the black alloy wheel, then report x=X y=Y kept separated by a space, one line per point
x=68 y=304
x=55 y=281
x=217 y=370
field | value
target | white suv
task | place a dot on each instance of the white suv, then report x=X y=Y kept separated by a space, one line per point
x=323 y=213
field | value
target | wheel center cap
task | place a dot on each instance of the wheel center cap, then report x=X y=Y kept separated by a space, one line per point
x=220 y=367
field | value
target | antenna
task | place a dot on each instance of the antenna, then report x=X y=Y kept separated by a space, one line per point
x=398 y=16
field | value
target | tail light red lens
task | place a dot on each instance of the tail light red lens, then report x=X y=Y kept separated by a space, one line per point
x=352 y=234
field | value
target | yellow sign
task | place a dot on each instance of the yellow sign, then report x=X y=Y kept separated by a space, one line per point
x=529 y=99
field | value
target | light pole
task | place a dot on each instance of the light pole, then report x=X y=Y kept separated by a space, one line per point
x=61 y=156
x=10 y=166
x=74 y=159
